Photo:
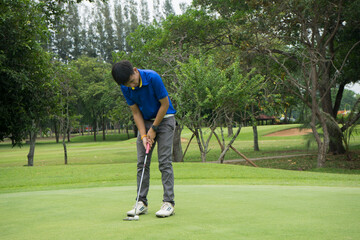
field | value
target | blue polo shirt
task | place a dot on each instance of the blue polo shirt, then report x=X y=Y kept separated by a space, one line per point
x=148 y=95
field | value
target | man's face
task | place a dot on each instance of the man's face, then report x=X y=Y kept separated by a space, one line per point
x=133 y=80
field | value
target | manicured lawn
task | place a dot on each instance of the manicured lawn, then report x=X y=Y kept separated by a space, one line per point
x=82 y=149
x=202 y=212
x=15 y=179
x=88 y=198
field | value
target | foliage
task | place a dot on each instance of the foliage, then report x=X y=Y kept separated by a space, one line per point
x=207 y=95
x=199 y=83
x=302 y=37
x=96 y=84
x=27 y=90
x=348 y=99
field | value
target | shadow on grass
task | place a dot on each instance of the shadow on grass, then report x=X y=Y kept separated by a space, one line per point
x=99 y=138
x=334 y=163
x=74 y=139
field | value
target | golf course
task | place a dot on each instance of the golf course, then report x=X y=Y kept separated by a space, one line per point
x=179 y=120
x=89 y=197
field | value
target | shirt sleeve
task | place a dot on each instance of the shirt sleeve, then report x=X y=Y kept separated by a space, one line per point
x=159 y=87
x=126 y=95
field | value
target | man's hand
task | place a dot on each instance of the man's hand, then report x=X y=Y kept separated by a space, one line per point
x=144 y=140
x=151 y=134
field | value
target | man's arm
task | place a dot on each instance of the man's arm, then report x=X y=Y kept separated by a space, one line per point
x=139 y=121
x=159 y=117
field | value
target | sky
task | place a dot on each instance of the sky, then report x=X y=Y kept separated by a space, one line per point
x=354 y=87
x=176 y=4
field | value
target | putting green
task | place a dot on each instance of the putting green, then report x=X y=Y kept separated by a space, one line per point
x=202 y=212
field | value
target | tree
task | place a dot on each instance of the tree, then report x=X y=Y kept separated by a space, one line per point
x=119 y=27
x=301 y=37
x=121 y=112
x=207 y=95
x=312 y=48
x=131 y=20
x=61 y=40
x=235 y=96
x=67 y=78
x=162 y=46
x=27 y=91
x=91 y=47
x=197 y=86
x=157 y=11
x=168 y=8
x=95 y=95
x=73 y=25
x=109 y=39
x=144 y=10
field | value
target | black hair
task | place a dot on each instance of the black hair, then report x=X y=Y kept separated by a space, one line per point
x=121 y=72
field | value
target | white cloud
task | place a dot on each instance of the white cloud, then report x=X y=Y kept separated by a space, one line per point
x=354 y=87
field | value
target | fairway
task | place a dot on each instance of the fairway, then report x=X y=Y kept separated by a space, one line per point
x=202 y=212
x=88 y=198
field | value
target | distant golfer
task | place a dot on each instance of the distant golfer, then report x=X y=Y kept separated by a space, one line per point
x=153 y=114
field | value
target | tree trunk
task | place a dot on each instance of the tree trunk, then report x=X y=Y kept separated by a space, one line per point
x=225 y=149
x=230 y=124
x=230 y=130
x=135 y=130
x=222 y=145
x=202 y=151
x=95 y=129
x=243 y=156
x=256 y=138
x=56 y=131
x=203 y=156
x=321 y=159
x=30 y=156
x=127 y=132
x=336 y=145
x=103 y=128
x=323 y=142
x=192 y=136
x=177 y=148
x=68 y=130
x=95 y=133
x=65 y=149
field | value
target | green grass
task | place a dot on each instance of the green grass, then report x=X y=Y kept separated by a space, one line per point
x=14 y=179
x=88 y=198
x=202 y=212
x=82 y=149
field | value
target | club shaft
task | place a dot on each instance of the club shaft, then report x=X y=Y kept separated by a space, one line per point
x=141 y=179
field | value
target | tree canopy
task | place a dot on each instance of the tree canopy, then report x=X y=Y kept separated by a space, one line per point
x=224 y=63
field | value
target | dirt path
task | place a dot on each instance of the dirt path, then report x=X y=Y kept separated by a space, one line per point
x=265 y=158
x=290 y=132
x=282 y=133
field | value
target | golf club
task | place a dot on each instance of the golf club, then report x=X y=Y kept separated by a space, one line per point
x=136 y=217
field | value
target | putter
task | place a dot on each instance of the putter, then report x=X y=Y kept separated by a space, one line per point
x=136 y=217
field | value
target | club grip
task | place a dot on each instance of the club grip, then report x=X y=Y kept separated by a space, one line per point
x=147 y=148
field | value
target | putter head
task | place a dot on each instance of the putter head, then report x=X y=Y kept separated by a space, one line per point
x=134 y=218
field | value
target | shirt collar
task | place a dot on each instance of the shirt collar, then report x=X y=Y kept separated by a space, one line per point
x=140 y=84
x=143 y=79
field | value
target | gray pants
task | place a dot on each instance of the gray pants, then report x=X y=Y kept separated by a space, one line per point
x=164 y=139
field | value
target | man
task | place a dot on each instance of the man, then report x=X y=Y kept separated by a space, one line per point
x=153 y=114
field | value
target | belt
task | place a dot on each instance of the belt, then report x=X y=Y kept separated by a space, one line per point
x=166 y=116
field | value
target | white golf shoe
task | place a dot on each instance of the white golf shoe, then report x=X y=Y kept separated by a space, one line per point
x=141 y=209
x=166 y=210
